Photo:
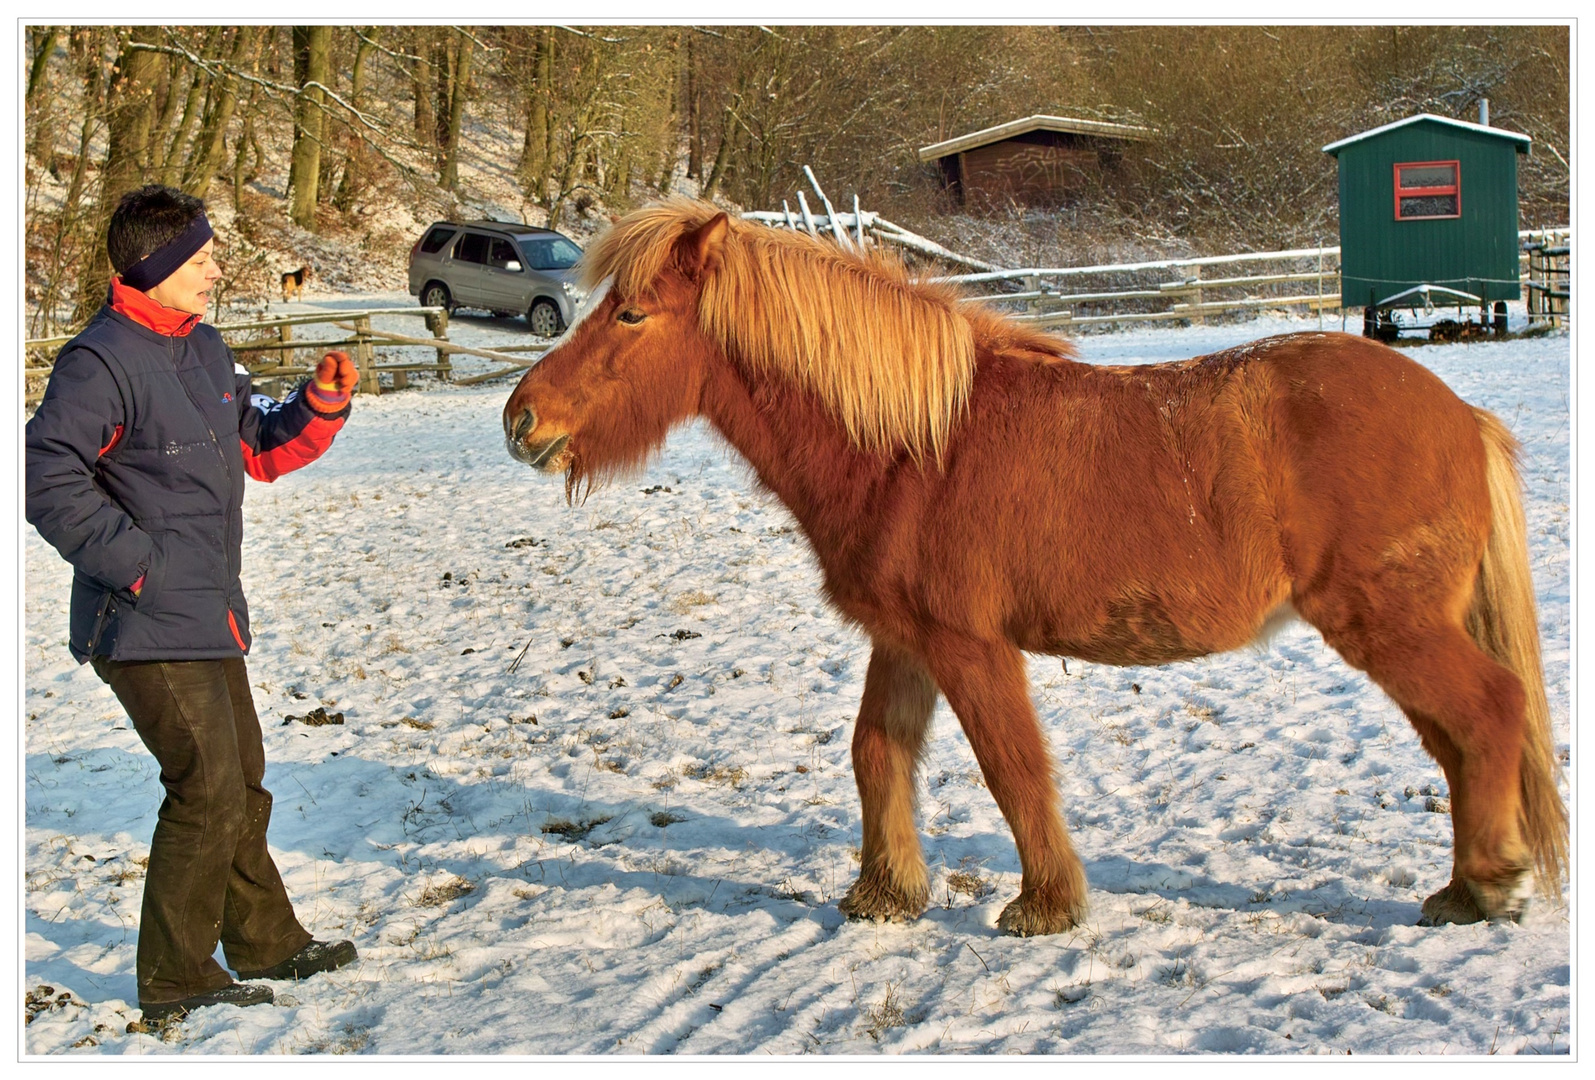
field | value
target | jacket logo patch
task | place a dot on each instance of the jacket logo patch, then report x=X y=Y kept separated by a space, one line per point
x=226 y=398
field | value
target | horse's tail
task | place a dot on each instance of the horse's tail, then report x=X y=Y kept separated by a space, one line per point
x=1502 y=621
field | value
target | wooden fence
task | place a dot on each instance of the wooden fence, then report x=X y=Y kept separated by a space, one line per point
x=1164 y=289
x=1197 y=288
x=276 y=356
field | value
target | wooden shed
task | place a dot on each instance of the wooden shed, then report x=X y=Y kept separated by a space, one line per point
x=1428 y=201
x=1036 y=160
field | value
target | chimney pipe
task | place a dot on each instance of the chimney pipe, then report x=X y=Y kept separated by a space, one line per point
x=1484 y=111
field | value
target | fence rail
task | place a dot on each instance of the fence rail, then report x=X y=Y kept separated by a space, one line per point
x=268 y=348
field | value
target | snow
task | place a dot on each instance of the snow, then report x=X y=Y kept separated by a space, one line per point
x=591 y=792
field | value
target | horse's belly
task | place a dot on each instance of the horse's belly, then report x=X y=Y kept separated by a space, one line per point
x=1143 y=628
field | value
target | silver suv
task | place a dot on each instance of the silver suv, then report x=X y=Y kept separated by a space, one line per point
x=499 y=267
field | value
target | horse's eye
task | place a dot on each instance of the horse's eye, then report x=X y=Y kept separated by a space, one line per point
x=631 y=316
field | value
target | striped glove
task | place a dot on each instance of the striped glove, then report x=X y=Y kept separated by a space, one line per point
x=328 y=391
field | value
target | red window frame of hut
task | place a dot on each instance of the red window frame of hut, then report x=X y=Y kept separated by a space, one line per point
x=1454 y=188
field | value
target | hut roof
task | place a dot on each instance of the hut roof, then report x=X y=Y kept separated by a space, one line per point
x=1067 y=125
x=1522 y=141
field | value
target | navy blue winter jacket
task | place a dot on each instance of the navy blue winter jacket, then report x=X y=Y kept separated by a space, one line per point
x=136 y=461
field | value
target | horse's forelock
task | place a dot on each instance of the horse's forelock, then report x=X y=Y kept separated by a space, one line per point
x=636 y=250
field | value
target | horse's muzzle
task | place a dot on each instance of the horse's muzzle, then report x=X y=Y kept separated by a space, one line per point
x=545 y=455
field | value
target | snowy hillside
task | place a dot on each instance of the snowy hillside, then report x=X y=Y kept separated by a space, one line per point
x=591 y=793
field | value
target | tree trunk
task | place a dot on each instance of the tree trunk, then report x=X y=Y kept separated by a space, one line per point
x=728 y=131
x=450 y=177
x=354 y=170
x=211 y=144
x=545 y=119
x=534 y=148
x=129 y=104
x=241 y=177
x=421 y=78
x=176 y=159
x=442 y=70
x=44 y=47
x=694 y=130
x=40 y=117
x=178 y=78
x=311 y=48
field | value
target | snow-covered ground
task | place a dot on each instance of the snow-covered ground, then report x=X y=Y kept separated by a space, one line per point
x=591 y=791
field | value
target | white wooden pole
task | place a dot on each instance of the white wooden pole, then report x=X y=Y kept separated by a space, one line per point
x=808 y=218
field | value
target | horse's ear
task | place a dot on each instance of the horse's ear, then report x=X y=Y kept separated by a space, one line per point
x=701 y=248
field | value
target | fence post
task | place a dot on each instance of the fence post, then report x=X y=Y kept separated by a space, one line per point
x=1201 y=320
x=1319 y=303
x=285 y=358
x=365 y=358
x=438 y=323
x=1033 y=284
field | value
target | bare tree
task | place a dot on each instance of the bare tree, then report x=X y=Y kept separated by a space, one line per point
x=356 y=166
x=460 y=81
x=128 y=106
x=210 y=147
x=311 y=48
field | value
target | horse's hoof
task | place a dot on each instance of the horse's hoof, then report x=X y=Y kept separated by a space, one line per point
x=877 y=897
x=1040 y=911
x=1469 y=901
x=1452 y=904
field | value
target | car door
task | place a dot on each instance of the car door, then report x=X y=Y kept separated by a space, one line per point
x=505 y=277
x=468 y=277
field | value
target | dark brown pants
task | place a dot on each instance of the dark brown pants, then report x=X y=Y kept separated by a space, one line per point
x=210 y=876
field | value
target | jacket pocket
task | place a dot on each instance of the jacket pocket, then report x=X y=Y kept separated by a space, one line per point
x=154 y=575
x=102 y=618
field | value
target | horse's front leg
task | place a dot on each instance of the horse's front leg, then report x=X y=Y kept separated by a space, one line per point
x=985 y=684
x=899 y=697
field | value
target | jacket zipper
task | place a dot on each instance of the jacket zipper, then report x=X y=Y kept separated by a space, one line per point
x=101 y=618
x=227 y=521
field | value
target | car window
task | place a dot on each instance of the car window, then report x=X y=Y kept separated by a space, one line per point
x=433 y=241
x=471 y=248
x=550 y=253
x=502 y=254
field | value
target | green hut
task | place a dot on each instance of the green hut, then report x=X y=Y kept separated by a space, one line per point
x=1429 y=201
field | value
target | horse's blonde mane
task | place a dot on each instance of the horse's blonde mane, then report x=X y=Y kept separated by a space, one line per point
x=892 y=358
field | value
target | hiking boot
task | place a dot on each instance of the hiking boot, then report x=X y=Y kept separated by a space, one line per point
x=317 y=956
x=231 y=994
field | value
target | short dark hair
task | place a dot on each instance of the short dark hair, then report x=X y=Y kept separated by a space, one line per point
x=146 y=220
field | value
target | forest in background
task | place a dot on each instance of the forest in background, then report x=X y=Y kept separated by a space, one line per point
x=303 y=134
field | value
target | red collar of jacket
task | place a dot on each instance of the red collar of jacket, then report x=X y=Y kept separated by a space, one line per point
x=150 y=313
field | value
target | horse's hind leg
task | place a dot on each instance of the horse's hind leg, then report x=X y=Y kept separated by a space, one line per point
x=986 y=686
x=887 y=739
x=1469 y=713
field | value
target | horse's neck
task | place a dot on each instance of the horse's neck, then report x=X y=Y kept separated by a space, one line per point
x=801 y=453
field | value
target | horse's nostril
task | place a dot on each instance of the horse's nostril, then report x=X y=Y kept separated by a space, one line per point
x=526 y=421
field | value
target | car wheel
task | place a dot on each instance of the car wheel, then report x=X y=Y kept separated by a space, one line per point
x=436 y=294
x=544 y=318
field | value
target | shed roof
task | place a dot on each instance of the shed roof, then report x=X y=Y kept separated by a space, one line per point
x=1522 y=141
x=1068 y=125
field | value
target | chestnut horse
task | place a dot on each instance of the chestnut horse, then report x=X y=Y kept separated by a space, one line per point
x=972 y=493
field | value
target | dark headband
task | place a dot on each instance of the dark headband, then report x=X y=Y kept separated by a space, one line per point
x=161 y=263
